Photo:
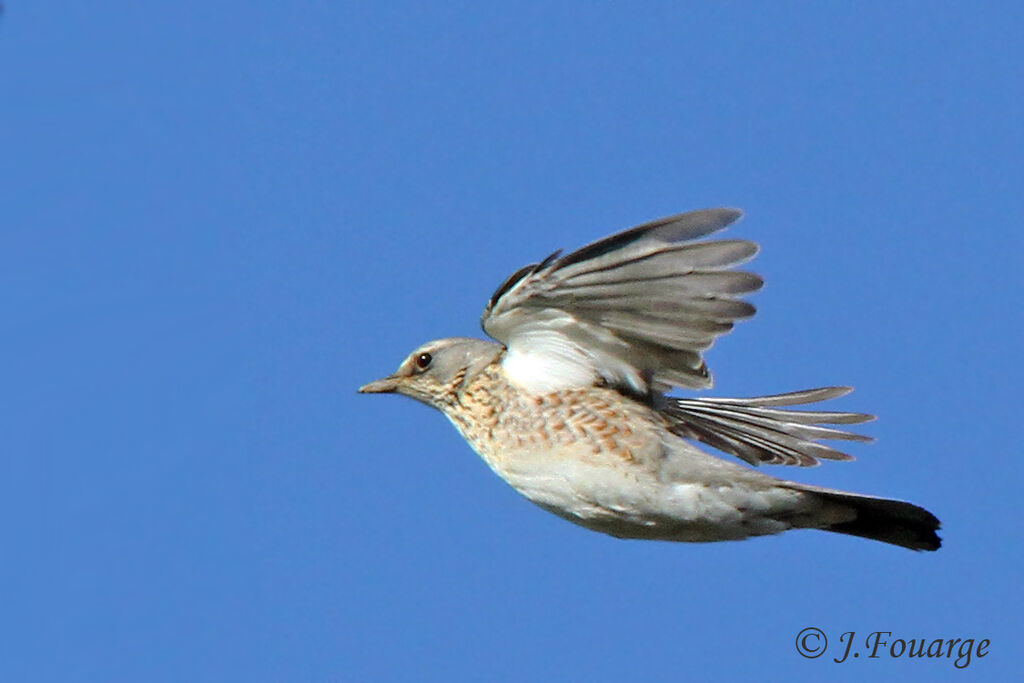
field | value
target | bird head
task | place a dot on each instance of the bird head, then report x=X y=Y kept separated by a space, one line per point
x=436 y=370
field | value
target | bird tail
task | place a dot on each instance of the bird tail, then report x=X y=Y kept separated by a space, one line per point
x=880 y=519
x=758 y=431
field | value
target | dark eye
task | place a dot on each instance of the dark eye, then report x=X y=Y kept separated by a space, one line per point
x=423 y=360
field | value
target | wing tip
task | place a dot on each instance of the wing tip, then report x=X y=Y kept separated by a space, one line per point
x=731 y=213
x=691 y=225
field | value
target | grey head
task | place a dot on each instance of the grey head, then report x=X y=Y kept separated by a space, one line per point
x=436 y=370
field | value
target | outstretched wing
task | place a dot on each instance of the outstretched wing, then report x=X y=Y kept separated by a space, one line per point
x=634 y=310
x=764 y=429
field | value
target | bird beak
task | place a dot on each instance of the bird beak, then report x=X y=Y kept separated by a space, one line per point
x=387 y=385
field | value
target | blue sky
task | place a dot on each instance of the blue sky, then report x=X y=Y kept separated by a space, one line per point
x=219 y=219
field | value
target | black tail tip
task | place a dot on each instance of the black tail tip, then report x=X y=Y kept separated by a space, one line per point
x=915 y=531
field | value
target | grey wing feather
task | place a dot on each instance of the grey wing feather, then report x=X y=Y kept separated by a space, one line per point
x=756 y=431
x=643 y=303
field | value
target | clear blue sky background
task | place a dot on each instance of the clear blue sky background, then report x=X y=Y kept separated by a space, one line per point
x=218 y=219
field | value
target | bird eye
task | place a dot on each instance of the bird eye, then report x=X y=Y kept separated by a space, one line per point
x=423 y=360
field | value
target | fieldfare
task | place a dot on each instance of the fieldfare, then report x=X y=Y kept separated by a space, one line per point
x=571 y=407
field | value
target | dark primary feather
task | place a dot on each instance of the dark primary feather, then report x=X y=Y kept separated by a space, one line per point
x=515 y=277
x=678 y=228
x=757 y=431
x=510 y=282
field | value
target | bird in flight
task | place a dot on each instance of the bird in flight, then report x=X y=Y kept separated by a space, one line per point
x=570 y=405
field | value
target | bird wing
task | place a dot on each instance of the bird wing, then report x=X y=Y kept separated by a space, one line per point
x=634 y=310
x=765 y=429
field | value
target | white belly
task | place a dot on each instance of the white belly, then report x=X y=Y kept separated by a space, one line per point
x=628 y=500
